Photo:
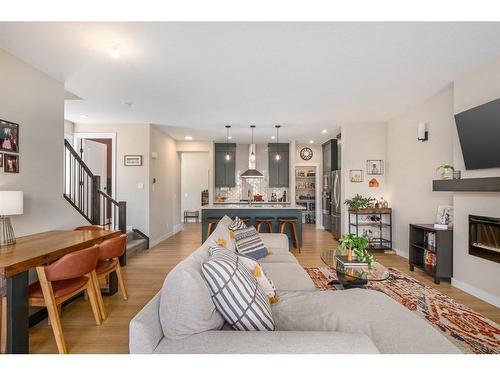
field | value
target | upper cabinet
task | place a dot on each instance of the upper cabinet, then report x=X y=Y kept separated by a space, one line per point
x=225 y=170
x=331 y=155
x=279 y=170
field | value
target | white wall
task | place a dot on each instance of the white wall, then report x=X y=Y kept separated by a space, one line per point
x=362 y=142
x=36 y=102
x=477 y=276
x=411 y=164
x=165 y=194
x=317 y=153
x=194 y=179
x=132 y=183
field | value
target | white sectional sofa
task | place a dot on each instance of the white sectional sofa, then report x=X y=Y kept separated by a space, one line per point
x=181 y=318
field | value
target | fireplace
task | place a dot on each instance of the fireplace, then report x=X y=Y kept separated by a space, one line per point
x=484 y=237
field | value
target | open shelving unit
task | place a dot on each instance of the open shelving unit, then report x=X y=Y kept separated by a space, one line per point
x=376 y=224
x=305 y=192
x=426 y=243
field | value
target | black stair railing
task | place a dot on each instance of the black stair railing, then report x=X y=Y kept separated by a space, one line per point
x=82 y=190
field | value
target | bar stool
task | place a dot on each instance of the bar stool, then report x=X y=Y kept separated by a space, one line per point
x=259 y=221
x=109 y=252
x=246 y=220
x=89 y=227
x=292 y=221
x=211 y=221
x=63 y=279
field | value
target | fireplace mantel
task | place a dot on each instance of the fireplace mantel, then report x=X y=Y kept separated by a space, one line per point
x=484 y=184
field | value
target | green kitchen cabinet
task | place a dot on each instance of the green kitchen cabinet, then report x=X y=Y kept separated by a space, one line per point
x=279 y=170
x=225 y=170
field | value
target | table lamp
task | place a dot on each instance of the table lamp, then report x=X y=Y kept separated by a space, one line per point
x=11 y=203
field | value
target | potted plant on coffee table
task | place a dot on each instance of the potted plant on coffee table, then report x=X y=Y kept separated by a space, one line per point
x=357 y=246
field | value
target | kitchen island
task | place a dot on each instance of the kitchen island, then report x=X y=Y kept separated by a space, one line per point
x=253 y=211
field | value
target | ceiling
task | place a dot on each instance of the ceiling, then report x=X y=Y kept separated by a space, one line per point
x=194 y=78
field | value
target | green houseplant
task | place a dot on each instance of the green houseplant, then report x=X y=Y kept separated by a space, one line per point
x=358 y=202
x=357 y=245
x=446 y=171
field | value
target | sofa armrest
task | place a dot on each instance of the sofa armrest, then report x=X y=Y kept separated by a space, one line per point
x=277 y=342
x=145 y=328
x=275 y=241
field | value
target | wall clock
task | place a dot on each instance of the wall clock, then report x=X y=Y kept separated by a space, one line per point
x=306 y=153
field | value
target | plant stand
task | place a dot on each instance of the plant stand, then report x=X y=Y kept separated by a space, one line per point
x=382 y=223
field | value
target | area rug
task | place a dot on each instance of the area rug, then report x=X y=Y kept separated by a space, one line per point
x=469 y=331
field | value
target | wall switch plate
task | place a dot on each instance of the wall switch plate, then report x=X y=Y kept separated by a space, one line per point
x=154 y=155
x=140 y=185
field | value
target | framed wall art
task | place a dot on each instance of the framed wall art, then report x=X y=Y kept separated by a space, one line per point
x=11 y=163
x=374 y=167
x=9 y=136
x=133 y=160
x=356 y=175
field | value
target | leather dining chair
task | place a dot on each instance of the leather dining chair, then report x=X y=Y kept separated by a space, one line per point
x=109 y=252
x=66 y=277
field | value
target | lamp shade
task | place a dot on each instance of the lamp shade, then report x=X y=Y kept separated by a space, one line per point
x=11 y=203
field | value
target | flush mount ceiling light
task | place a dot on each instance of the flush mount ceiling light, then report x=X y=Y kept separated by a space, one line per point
x=311 y=141
x=273 y=137
x=228 y=155
x=278 y=156
x=323 y=131
x=188 y=138
x=114 y=50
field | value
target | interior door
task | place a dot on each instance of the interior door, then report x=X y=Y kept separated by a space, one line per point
x=95 y=156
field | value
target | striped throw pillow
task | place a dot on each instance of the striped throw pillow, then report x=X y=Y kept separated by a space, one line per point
x=236 y=293
x=236 y=225
x=249 y=243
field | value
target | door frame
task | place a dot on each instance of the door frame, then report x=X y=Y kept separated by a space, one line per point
x=319 y=185
x=83 y=135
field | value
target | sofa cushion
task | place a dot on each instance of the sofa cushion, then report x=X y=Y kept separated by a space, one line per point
x=185 y=304
x=236 y=293
x=278 y=242
x=221 y=236
x=278 y=257
x=392 y=327
x=248 y=243
x=288 y=276
x=225 y=221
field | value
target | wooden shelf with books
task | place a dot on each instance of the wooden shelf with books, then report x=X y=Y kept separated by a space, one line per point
x=431 y=250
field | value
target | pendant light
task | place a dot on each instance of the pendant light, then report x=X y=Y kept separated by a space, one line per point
x=228 y=155
x=278 y=156
x=251 y=172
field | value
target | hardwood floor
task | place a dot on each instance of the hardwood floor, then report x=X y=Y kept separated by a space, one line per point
x=144 y=275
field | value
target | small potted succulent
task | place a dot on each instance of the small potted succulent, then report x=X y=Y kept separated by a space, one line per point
x=446 y=171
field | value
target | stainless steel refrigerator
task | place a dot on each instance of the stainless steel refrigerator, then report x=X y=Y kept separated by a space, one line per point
x=327 y=202
x=336 y=204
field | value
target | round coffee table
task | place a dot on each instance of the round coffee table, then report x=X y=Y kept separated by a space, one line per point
x=353 y=277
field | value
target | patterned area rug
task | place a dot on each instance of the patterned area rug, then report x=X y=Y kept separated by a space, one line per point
x=468 y=330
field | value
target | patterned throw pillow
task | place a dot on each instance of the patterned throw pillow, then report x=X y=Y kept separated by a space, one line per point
x=249 y=243
x=236 y=225
x=264 y=281
x=236 y=293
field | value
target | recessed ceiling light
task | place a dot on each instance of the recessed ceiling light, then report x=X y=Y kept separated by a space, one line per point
x=323 y=131
x=114 y=50
x=273 y=137
x=188 y=138
x=229 y=137
x=84 y=116
x=311 y=141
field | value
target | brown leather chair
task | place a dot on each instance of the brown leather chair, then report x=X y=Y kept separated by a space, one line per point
x=89 y=227
x=109 y=252
x=63 y=279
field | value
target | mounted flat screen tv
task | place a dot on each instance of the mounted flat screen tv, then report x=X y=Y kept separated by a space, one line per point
x=479 y=134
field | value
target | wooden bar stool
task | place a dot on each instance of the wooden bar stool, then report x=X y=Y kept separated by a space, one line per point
x=72 y=274
x=109 y=252
x=246 y=220
x=259 y=221
x=211 y=221
x=292 y=221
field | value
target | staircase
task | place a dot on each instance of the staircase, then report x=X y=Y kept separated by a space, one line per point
x=82 y=191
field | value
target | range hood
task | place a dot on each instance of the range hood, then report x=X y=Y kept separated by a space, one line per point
x=251 y=172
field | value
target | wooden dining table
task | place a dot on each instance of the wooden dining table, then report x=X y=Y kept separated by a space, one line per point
x=31 y=251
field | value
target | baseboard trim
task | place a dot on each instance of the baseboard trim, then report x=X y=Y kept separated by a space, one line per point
x=156 y=241
x=479 y=293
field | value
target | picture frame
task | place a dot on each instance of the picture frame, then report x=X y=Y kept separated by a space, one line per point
x=444 y=216
x=374 y=167
x=356 y=175
x=9 y=136
x=132 y=160
x=11 y=163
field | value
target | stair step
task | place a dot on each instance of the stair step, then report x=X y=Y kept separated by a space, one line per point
x=136 y=245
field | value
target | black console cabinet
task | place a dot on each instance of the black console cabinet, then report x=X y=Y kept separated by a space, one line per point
x=426 y=242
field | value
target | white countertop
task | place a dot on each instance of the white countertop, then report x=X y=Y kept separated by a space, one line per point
x=254 y=206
